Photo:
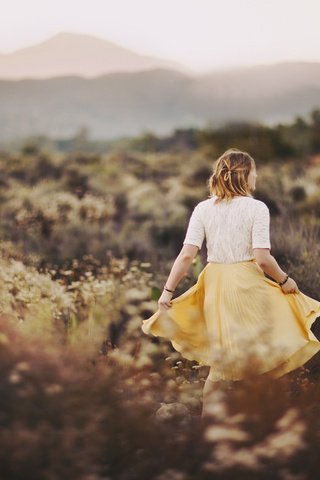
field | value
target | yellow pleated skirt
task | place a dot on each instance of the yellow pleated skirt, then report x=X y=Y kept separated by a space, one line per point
x=239 y=322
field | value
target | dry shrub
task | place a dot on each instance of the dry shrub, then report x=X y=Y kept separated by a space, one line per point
x=63 y=416
x=66 y=415
x=296 y=246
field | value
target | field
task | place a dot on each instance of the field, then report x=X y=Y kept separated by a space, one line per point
x=87 y=239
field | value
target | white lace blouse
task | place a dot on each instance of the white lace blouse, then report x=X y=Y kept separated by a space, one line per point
x=231 y=229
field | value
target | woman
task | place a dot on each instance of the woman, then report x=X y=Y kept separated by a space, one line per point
x=235 y=319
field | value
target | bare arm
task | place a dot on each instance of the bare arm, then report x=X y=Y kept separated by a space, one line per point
x=181 y=265
x=271 y=267
x=269 y=264
x=179 y=269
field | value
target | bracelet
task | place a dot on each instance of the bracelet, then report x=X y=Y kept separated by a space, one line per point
x=165 y=288
x=284 y=281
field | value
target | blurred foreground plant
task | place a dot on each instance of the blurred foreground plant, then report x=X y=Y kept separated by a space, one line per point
x=63 y=415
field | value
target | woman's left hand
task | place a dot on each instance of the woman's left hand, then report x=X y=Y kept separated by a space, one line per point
x=164 y=301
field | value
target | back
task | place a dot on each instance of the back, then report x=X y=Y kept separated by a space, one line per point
x=231 y=229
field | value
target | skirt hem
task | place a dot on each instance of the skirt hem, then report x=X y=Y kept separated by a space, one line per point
x=185 y=323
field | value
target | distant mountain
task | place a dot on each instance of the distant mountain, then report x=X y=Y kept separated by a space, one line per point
x=262 y=80
x=73 y=54
x=160 y=100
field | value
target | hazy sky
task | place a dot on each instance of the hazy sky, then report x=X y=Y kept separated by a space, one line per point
x=202 y=34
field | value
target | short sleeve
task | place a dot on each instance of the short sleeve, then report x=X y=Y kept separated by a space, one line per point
x=261 y=227
x=195 y=231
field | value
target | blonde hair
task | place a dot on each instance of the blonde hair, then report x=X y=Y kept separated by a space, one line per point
x=230 y=175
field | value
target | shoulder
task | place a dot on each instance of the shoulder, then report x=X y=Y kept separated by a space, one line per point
x=251 y=202
x=260 y=206
x=260 y=211
x=201 y=207
x=203 y=204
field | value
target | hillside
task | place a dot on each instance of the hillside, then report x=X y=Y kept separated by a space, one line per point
x=74 y=54
x=160 y=99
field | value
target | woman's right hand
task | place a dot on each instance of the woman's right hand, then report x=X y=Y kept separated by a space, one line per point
x=164 y=301
x=290 y=286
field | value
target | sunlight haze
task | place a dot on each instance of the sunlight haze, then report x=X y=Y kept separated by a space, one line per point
x=201 y=34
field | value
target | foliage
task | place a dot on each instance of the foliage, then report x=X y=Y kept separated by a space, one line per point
x=86 y=243
x=67 y=415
